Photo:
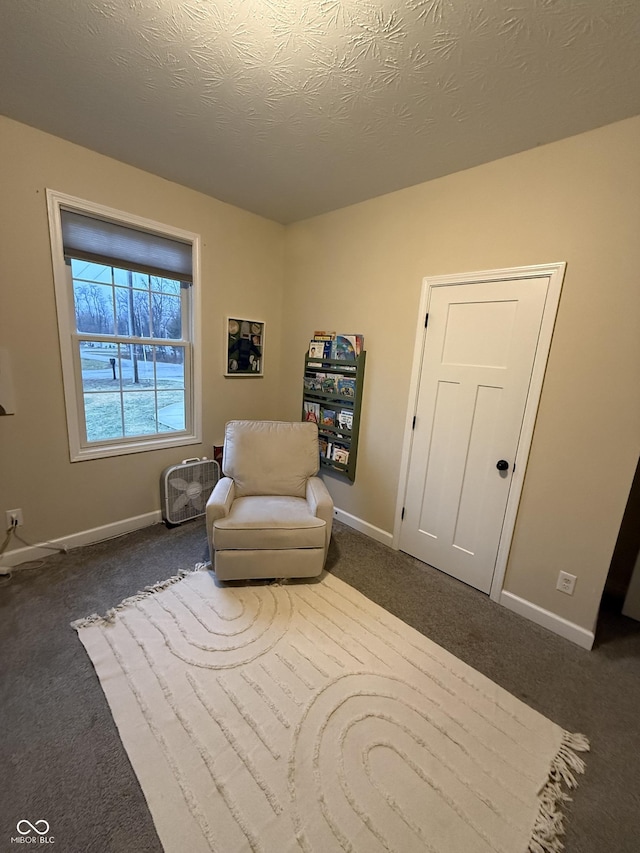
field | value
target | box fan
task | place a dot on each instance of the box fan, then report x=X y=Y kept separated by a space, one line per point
x=185 y=489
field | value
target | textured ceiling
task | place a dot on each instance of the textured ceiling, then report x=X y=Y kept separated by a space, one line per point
x=294 y=107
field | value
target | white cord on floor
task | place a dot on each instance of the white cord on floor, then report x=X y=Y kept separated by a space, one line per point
x=11 y=533
x=6 y=573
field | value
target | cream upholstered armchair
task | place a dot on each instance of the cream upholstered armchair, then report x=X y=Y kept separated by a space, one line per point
x=269 y=516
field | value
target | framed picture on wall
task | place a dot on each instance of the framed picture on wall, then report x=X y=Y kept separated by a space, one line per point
x=244 y=354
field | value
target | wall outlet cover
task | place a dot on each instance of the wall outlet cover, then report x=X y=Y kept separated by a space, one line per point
x=566 y=583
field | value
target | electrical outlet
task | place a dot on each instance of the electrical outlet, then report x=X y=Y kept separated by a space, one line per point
x=14 y=518
x=566 y=583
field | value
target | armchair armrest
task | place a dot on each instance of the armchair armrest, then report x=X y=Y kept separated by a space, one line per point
x=320 y=504
x=218 y=506
x=220 y=500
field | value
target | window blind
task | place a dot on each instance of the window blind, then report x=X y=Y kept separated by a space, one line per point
x=102 y=241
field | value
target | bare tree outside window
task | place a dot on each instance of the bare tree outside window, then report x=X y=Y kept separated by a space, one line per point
x=132 y=387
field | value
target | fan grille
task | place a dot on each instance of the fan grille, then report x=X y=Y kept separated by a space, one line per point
x=185 y=489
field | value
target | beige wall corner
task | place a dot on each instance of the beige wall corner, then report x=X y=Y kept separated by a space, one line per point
x=360 y=270
x=242 y=271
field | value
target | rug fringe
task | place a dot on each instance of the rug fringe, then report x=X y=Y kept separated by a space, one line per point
x=110 y=615
x=549 y=825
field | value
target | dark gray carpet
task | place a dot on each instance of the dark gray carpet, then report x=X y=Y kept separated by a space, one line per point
x=62 y=760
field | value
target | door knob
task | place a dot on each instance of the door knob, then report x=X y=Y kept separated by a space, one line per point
x=502 y=465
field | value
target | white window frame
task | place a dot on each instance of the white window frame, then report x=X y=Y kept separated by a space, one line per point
x=79 y=448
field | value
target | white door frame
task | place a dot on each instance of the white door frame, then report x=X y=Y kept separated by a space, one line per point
x=555 y=273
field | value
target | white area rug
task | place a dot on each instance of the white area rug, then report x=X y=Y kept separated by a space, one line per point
x=305 y=717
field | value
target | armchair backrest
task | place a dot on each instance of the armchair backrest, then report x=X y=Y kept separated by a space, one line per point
x=270 y=457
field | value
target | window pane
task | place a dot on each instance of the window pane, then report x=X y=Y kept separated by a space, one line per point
x=140 y=280
x=94 y=308
x=139 y=412
x=132 y=312
x=121 y=277
x=170 y=367
x=124 y=312
x=103 y=416
x=90 y=272
x=171 y=414
x=136 y=364
x=127 y=363
x=141 y=314
x=99 y=362
x=165 y=285
x=167 y=316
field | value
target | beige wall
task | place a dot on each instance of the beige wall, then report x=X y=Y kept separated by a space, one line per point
x=360 y=270
x=356 y=270
x=242 y=272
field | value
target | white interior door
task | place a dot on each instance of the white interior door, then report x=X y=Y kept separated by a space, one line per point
x=476 y=368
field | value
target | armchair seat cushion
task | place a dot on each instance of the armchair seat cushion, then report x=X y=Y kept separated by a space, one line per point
x=273 y=522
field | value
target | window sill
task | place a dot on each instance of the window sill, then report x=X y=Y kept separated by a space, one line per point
x=135 y=446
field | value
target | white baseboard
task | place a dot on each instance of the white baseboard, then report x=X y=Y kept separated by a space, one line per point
x=569 y=630
x=85 y=537
x=363 y=526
